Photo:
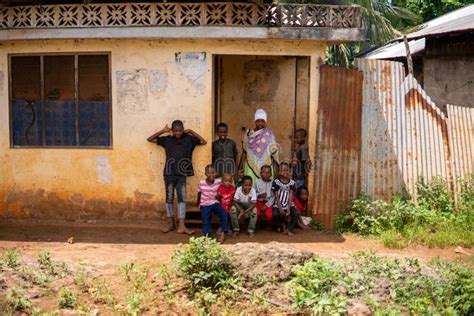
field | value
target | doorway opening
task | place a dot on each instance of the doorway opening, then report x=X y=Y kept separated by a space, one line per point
x=277 y=84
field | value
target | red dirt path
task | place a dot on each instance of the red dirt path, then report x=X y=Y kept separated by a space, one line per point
x=107 y=246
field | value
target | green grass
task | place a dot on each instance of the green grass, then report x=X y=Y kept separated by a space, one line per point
x=432 y=219
x=385 y=286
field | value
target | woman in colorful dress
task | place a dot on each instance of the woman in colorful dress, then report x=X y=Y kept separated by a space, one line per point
x=259 y=148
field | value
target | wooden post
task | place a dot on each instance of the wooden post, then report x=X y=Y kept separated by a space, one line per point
x=409 y=60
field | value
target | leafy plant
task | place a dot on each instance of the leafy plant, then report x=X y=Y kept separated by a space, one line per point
x=134 y=302
x=11 y=257
x=430 y=218
x=135 y=274
x=100 y=293
x=82 y=278
x=44 y=261
x=388 y=286
x=17 y=300
x=204 y=264
x=66 y=298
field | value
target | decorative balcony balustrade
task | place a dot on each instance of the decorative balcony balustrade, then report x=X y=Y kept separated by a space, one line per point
x=179 y=14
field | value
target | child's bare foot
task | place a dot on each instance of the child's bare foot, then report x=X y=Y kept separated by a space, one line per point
x=251 y=235
x=235 y=234
x=221 y=238
x=182 y=229
x=289 y=233
x=169 y=225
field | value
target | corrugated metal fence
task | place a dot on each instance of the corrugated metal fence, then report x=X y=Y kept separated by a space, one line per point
x=405 y=135
x=379 y=132
x=338 y=141
x=461 y=140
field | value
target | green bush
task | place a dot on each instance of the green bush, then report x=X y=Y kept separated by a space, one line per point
x=204 y=264
x=326 y=287
x=17 y=300
x=66 y=298
x=11 y=257
x=433 y=220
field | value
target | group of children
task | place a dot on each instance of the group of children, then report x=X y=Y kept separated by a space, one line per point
x=280 y=203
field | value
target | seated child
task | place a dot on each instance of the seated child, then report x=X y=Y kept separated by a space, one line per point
x=263 y=187
x=225 y=195
x=285 y=215
x=301 y=204
x=244 y=206
x=207 y=201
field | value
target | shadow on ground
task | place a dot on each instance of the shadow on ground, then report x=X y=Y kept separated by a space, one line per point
x=139 y=234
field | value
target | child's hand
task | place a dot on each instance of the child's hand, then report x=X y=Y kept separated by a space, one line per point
x=167 y=129
x=294 y=162
x=263 y=195
x=282 y=212
x=187 y=131
x=241 y=214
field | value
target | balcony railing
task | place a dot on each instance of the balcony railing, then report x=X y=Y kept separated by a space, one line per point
x=179 y=14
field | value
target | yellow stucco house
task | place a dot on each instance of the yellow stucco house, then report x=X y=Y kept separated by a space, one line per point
x=83 y=84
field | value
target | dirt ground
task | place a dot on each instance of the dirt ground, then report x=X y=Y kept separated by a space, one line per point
x=106 y=249
x=107 y=246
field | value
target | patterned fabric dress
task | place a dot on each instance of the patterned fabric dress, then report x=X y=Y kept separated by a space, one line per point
x=261 y=149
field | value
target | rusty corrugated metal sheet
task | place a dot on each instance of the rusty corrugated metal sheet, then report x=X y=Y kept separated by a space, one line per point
x=427 y=147
x=461 y=139
x=381 y=175
x=338 y=141
x=404 y=134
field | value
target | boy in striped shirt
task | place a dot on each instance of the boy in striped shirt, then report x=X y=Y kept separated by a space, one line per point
x=208 y=203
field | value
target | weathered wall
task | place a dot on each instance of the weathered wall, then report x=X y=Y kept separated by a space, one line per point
x=151 y=86
x=252 y=82
x=448 y=70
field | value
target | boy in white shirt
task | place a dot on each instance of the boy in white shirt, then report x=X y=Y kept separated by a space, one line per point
x=245 y=199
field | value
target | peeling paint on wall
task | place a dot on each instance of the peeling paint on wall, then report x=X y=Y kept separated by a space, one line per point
x=132 y=91
x=157 y=81
x=261 y=77
x=104 y=170
x=193 y=67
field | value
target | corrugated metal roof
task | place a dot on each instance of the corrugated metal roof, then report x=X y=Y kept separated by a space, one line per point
x=456 y=21
x=396 y=50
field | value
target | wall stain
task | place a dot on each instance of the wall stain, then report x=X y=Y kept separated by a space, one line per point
x=261 y=79
x=44 y=205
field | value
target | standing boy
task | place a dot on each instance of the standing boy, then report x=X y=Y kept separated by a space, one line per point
x=301 y=163
x=179 y=148
x=224 y=152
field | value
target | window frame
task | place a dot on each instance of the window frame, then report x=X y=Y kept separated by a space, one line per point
x=76 y=55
